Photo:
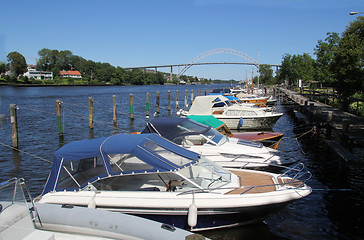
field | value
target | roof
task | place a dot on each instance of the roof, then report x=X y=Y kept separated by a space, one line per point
x=75 y=73
x=146 y=147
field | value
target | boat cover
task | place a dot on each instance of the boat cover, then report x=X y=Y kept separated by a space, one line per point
x=208 y=120
x=174 y=127
x=202 y=105
x=136 y=144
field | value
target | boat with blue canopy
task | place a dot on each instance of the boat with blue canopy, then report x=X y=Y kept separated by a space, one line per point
x=149 y=176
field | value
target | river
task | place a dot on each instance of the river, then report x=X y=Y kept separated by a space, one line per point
x=334 y=210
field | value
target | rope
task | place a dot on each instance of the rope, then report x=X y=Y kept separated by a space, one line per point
x=5 y=145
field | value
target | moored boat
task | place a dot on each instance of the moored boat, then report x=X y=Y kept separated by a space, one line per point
x=236 y=116
x=149 y=176
x=20 y=219
x=227 y=152
x=267 y=138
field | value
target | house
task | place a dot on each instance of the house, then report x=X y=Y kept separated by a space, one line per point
x=33 y=73
x=70 y=74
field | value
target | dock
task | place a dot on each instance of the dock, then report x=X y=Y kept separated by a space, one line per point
x=342 y=132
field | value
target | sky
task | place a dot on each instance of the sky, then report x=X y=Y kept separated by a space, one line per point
x=136 y=33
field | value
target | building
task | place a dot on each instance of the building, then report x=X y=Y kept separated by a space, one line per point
x=70 y=74
x=33 y=73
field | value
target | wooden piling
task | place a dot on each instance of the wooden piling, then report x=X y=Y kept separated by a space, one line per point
x=147 y=105
x=14 y=125
x=158 y=102
x=186 y=103
x=91 y=112
x=169 y=102
x=115 y=115
x=131 y=106
x=59 y=117
x=177 y=99
x=191 y=97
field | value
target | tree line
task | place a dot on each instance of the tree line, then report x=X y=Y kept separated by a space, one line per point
x=93 y=73
x=339 y=64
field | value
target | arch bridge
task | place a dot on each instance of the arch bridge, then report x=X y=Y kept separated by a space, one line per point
x=196 y=61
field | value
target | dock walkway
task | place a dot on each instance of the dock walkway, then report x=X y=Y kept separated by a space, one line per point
x=348 y=127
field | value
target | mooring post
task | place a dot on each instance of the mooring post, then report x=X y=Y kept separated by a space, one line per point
x=14 y=125
x=115 y=114
x=158 y=102
x=59 y=117
x=91 y=112
x=186 y=96
x=131 y=107
x=147 y=105
x=191 y=97
x=177 y=98
x=169 y=102
x=328 y=124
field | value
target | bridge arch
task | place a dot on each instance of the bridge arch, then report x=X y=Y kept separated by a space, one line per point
x=218 y=51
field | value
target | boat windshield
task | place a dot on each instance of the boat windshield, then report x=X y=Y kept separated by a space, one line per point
x=216 y=137
x=206 y=174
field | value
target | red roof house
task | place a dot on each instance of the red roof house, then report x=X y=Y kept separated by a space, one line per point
x=71 y=74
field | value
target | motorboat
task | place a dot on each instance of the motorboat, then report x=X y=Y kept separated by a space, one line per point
x=23 y=219
x=236 y=116
x=267 y=138
x=149 y=176
x=225 y=151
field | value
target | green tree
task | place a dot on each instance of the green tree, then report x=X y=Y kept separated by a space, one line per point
x=18 y=65
x=324 y=52
x=295 y=67
x=2 y=68
x=348 y=62
x=266 y=74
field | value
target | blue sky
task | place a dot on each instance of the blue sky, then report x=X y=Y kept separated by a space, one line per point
x=143 y=32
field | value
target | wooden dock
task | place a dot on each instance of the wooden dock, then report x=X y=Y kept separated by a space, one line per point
x=344 y=132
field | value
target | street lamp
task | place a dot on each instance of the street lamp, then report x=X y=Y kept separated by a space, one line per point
x=354 y=13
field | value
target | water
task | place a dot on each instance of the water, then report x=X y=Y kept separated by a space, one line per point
x=334 y=210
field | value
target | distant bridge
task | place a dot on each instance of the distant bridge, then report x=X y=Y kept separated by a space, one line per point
x=196 y=61
x=189 y=64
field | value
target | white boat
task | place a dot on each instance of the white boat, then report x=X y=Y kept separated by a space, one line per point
x=149 y=176
x=236 y=116
x=20 y=219
x=223 y=150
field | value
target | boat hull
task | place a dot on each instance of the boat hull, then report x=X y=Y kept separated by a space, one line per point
x=208 y=219
x=234 y=122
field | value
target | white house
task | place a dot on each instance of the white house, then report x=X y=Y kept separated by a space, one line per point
x=33 y=73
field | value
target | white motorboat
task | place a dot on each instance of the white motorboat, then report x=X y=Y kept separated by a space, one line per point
x=207 y=141
x=149 y=176
x=236 y=116
x=20 y=219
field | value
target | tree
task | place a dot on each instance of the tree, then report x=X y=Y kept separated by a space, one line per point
x=348 y=62
x=295 y=67
x=266 y=74
x=324 y=52
x=18 y=65
x=2 y=68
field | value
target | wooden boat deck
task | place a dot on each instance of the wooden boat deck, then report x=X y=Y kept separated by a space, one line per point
x=249 y=179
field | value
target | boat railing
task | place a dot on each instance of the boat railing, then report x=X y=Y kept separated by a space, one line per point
x=16 y=191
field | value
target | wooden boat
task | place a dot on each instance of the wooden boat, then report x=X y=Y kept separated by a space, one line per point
x=149 y=176
x=268 y=138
